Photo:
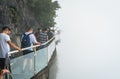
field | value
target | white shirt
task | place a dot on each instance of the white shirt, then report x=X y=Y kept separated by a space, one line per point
x=4 y=46
x=32 y=39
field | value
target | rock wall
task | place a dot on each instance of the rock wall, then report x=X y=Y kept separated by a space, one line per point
x=16 y=15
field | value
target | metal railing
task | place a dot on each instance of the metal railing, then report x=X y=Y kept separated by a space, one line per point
x=15 y=51
x=27 y=66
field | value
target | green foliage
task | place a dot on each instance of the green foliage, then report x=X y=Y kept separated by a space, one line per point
x=1 y=2
x=13 y=14
x=44 y=11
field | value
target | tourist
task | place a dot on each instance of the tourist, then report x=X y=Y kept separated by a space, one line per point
x=5 y=43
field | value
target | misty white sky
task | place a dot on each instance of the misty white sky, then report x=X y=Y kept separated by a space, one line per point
x=90 y=47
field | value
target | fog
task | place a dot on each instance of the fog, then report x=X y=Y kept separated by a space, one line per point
x=90 y=39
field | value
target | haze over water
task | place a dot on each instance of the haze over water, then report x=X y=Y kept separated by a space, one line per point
x=90 y=39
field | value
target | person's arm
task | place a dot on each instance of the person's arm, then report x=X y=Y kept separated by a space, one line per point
x=35 y=42
x=7 y=39
x=14 y=46
x=47 y=38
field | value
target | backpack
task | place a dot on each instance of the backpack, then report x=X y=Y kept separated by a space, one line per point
x=25 y=41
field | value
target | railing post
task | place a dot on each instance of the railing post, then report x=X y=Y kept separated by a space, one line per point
x=35 y=52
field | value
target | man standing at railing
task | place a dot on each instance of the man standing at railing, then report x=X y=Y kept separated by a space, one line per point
x=5 y=44
x=28 y=39
x=43 y=35
x=50 y=33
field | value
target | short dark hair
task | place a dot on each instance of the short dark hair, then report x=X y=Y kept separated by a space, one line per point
x=5 y=28
x=39 y=29
x=44 y=29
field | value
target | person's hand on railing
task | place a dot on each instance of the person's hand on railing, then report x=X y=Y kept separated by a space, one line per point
x=14 y=46
x=2 y=72
x=38 y=43
x=19 y=49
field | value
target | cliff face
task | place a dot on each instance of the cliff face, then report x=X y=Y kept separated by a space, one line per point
x=22 y=14
x=16 y=15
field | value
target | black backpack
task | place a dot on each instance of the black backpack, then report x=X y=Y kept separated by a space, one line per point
x=25 y=41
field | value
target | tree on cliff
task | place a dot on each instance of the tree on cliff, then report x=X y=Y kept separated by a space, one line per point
x=21 y=14
x=44 y=11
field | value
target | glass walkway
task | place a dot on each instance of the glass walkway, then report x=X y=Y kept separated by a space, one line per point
x=27 y=66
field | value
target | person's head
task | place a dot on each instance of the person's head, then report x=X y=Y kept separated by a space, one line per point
x=30 y=29
x=39 y=29
x=6 y=30
x=45 y=30
x=48 y=29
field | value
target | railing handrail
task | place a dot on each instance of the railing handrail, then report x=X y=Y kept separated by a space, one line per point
x=15 y=51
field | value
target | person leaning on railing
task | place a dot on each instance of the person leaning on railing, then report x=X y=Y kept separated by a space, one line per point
x=41 y=36
x=28 y=39
x=5 y=44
